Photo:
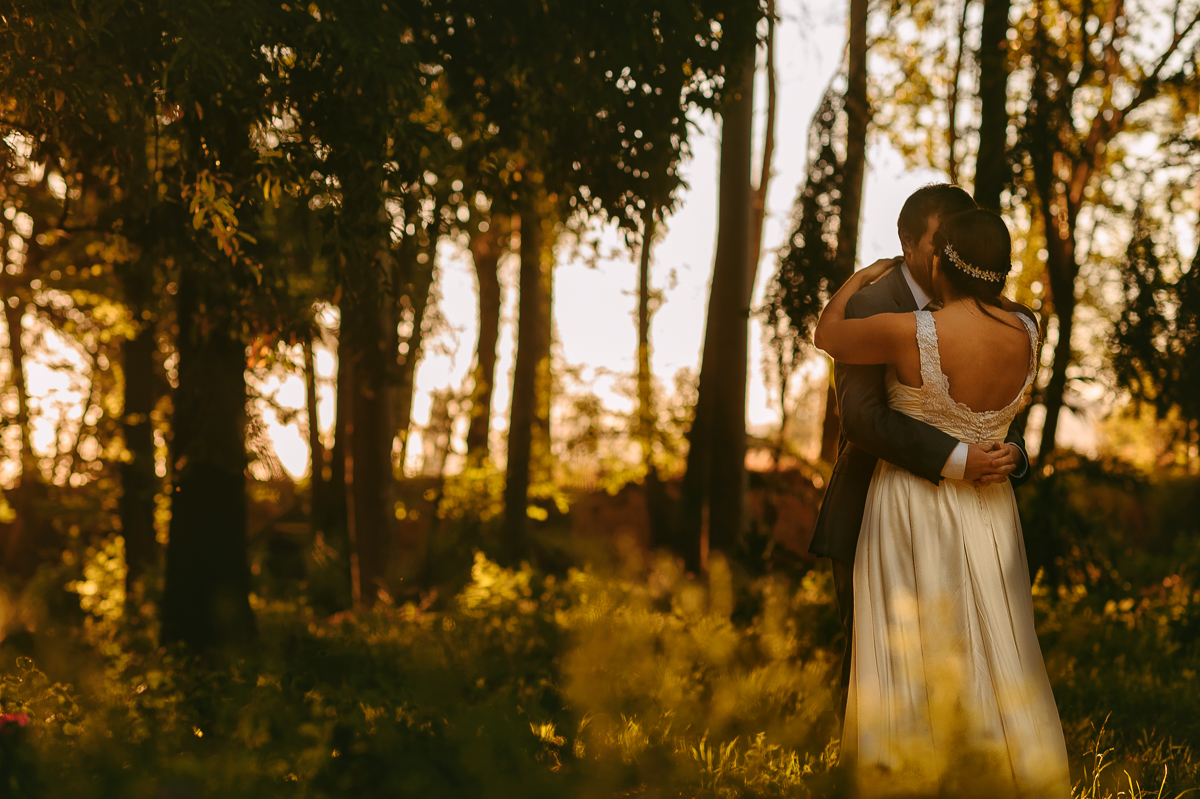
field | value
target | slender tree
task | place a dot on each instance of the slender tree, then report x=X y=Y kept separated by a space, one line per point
x=646 y=425
x=952 y=99
x=992 y=170
x=763 y=184
x=417 y=259
x=139 y=483
x=316 y=449
x=717 y=441
x=1067 y=143
x=849 y=186
x=17 y=544
x=530 y=348
x=205 y=600
x=486 y=246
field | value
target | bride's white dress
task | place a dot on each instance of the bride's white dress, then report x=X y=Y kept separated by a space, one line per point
x=948 y=689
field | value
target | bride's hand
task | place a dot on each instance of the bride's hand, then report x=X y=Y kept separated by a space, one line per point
x=877 y=270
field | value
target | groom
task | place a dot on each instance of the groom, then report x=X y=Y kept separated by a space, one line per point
x=871 y=430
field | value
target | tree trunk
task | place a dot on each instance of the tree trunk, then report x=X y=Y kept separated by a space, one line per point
x=690 y=539
x=717 y=458
x=1059 y=216
x=138 y=480
x=952 y=101
x=333 y=524
x=768 y=157
x=316 y=450
x=523 y=415
x=731 y=268
x=646 y=416
x=370 y=431
x=1061 y=269
x=656 y=499
x=485 y=251
x=19 y=546
x=858 y=116
x=206 y=594
x=337 y=460
x=540 y=458
x=416 y=293
x=991 y=163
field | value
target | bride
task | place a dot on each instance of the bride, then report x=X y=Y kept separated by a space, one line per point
x=948 y=689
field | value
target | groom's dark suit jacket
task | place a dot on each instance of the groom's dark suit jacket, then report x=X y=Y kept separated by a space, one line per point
x=871 y=430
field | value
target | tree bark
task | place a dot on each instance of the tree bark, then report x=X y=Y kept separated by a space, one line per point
x=334 y=524
x=858 y=116
x=417 y=295
x=732 y=263
x=1062 y=270
x=316 y=450
x=370 y=431
x=540 y=458
x=1059 y=214
x=689 y=540
x=206 y=594
x=13 y=316
x=952 y=102
x=991 y=163
x=656 y=499
x=717 y=455
x=850 y=205
x=850 y=180
x=523 y=415
x=19 y=546
x=645 y=417
x=485 y=251
x=768 y=157
x=138 y=480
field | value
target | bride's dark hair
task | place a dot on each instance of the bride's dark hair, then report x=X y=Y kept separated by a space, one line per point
x=981 y=242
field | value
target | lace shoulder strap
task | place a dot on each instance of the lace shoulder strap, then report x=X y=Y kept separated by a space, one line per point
x=1031 y=328
x=927 y=345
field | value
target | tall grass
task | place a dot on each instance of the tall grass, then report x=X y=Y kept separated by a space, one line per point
x=635 y=682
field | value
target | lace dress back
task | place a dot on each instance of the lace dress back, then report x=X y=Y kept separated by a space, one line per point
x=932 y=402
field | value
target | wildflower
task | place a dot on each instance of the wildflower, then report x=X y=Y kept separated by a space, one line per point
x=20 y=719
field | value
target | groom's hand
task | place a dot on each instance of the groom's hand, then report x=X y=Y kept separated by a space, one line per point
x=989 y=463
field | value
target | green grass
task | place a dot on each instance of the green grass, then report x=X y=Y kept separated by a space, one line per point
x=634 y=682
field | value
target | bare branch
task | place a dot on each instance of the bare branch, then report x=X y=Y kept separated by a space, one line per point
x=764 y=176
x=952 y=110
x=1104 y=129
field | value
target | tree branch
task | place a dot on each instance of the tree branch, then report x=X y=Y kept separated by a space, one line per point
x=764 y=176
x=1103 y=130
x=952 y=126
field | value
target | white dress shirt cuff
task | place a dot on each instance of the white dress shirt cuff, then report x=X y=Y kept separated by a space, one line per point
x=956 y=464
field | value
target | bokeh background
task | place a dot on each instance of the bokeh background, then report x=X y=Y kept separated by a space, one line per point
x=410 y=398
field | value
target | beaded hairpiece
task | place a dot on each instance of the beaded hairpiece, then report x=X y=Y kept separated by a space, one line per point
x=982 y=274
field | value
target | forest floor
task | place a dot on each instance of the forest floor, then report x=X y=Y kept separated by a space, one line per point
x=628 y=679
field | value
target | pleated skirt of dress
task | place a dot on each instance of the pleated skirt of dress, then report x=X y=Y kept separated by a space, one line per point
x=948 y=688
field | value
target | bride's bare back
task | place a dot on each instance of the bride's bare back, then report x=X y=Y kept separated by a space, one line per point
x=986 y=359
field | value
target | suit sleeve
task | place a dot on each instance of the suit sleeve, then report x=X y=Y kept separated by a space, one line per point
x=868 y=422
x=1015 y=436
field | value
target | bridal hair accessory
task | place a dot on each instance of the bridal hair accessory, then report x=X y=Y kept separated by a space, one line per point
x=982 y=274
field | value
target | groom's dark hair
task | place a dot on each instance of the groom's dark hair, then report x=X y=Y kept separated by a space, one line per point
x=943 y=199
